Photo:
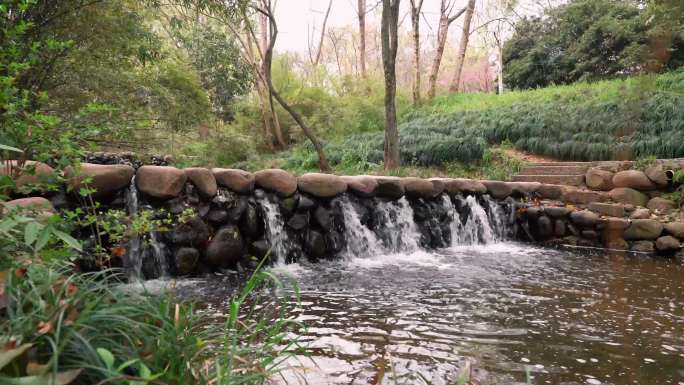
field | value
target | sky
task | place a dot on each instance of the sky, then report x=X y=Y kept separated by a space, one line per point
x=296 y=17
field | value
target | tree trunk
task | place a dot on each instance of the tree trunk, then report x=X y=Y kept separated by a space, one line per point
x=266 y=68
x=390 y=20
x=320 y=42
x=462 y=47
x=444 y=22
x=415 y=23
x=362 y=36
x=323 y=164
x=499 y=66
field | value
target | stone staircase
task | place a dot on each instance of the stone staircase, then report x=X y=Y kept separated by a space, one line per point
x=564 y=173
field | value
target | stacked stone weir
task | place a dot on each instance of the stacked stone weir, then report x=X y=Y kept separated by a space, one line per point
x=618 y=212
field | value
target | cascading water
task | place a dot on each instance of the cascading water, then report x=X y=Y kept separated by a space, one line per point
x=477 y=227
x=360 y=239
x=275 y=230
x=134 y=265
x=159 y=251
x=398 y=228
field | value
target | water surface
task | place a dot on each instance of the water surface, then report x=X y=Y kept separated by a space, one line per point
x=495 y=313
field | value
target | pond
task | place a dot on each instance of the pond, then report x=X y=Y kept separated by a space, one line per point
x=502 y=313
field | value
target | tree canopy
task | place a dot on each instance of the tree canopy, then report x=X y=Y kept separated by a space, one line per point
x=590 y=40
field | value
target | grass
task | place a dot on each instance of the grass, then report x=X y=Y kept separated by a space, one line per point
x=86 y=322
x=629 y=118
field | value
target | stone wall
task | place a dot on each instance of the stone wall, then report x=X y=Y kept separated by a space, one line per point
x=231 y=221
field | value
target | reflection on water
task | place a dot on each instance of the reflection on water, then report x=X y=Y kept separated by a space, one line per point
x=495 y=314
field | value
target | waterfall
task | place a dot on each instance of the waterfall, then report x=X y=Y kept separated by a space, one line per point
x=275 y=230
x=159 y=251
x=477 y=227
x=399 y=230
x=360 y=239
x=134 y=265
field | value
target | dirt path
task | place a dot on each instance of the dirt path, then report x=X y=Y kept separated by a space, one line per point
x=527 y=157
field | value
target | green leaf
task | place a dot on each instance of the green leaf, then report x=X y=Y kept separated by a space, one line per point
x=107 y=357
x=9 y=148
x=68 y=239
x=7 y=356
x=31 y=232
x=43 y=238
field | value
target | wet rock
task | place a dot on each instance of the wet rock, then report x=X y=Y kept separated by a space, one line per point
x=314 y=244
x=573 y=230
x=644 y=229
x=597 y=179
x=643 y=246
x=186 y=259
x=106 y=180
x=37 y=204
x=419 y=188
x=361 y=185
x=439 y=185
x=250 y=223
x=590 y=234
x=465 y=186
x=640 y=214
x=497 y=189
x=613 y=233
x=676 y=229
x=276 y=180
x=225 y=248
x=661 y=205
x=217 y=216
x=260 y=248
x=161 y=182
x=525 y=188
x=335 y=241
x=584 y=218
x=609 y=209
x=559 y=227
x=533 y=212
x=176 y=205
x=634 y=179
x=298 y=221
x=305 y=203
x=322 y=217
x=288 y=205
x=321 y=185
x=550 y=191
x=629 y=196
x=668 y=243
x=193 y=232
x=203 y=180
x=235 y=213
x=239 y=181
x=31 y=172
x=544 y=227
x=557 y=212
x=389 y=187
x=657 y=175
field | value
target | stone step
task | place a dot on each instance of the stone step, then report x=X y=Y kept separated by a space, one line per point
x=568 y=180
x=586 y=164
x=554 y=170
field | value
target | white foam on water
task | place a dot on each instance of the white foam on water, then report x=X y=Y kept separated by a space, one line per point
x=275 y=230
x=360 y=240
x=397 y=222
x=135 y=244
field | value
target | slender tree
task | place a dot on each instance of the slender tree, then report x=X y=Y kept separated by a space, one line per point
x=445 y=19
x=390 y=21
x=315 y=59
x=462 y=46
x=361 y=12
x=416 y=6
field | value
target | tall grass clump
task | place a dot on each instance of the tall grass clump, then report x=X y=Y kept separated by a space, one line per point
x=84 y=322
